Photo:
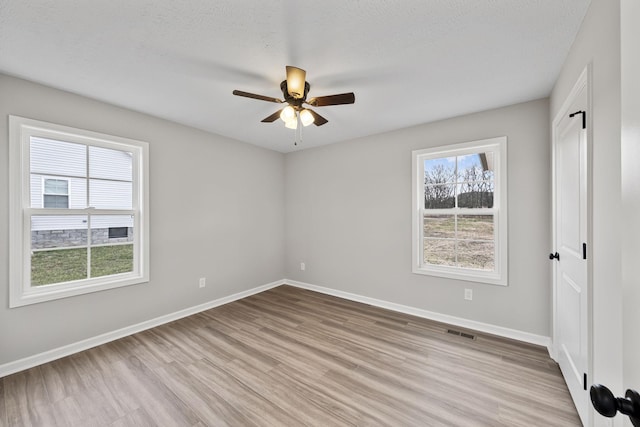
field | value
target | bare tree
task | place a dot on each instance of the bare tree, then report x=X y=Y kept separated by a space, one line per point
x=439 y=189
x=476 y=189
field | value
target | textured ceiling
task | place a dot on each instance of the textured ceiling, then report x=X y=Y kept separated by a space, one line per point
x=408 y=61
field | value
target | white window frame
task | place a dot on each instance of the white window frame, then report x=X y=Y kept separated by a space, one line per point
x=499 y=276
x=20 y=132
x=44 y=181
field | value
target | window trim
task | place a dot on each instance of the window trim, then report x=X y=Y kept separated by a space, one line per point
x=21 y=291
x=500 y=275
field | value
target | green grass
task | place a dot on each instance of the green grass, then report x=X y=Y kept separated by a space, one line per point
x=65 y=265
x=58 y=266
x=107 y=260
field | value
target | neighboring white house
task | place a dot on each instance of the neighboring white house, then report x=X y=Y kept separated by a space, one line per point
x=66 y=175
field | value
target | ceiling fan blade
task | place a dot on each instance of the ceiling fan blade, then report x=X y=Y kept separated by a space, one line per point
x=260 y=97
x=318 y=120
x=342 y=98
x=295 y=81
x=272 y=118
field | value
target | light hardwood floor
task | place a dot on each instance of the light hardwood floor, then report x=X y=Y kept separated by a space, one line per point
x=292 y=357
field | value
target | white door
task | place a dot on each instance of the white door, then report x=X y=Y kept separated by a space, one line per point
x=571 y=296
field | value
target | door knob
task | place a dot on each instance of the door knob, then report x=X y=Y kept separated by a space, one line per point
x=608 y=405
x=556 y=256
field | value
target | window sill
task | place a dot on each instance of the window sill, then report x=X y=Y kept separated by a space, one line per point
x=471 y=276
x=54 y=292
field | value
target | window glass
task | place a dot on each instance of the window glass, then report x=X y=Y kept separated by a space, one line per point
x=58 y=248
x=108 y=260
x=476 y=255
x=105 y=194
x=65 y=265
x=440 y=170
x=106 y=163
x=439 y=196
x=475 y=227
x=440 y=226
x=440 y=252
x=103 y=226
x=54 y=157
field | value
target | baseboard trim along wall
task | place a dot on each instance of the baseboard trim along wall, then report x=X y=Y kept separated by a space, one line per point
x=431 y=315
x=67 y=350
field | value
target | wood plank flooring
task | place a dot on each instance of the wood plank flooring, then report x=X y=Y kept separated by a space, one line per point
x=292 y=357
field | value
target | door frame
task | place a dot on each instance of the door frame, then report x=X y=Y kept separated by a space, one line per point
x=584 y=81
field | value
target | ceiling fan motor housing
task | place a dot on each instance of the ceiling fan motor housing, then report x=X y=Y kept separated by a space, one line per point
x=294 y=102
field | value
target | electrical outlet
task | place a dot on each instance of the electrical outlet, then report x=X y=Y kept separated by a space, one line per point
x=203 y=282
x=302 y=266
x=468 y=294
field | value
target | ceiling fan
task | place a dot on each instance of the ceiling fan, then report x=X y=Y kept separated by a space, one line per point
x=295 y=90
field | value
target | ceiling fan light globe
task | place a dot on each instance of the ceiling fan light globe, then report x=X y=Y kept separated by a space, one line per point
x=291 y=124
x=288 y=113
x=306 y=117
x=295 y=81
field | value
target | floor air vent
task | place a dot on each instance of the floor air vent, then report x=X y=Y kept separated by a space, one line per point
x=461 y=334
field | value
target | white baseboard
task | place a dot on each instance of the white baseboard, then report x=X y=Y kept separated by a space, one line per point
x=57 y=353
x=439 y=317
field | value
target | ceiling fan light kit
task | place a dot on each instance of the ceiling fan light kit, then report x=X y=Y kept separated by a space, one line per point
x=306 y=117
x=288 y=113
x=295 y=89
x=291 y=124
x=296 y=82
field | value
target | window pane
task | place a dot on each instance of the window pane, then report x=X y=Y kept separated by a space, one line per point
x=55 y=232
x=58 y=231
x=478 y=255
x=440 y=252
x=105 y=163
x=440 y=171
x=442 y=226
x=475 y=227
x=475 y=167
x=76 y=190
x=55 y=202
x=56 y=186
x=53 y=157
x=477 y=194
x=439 y=196
x=110 y=194
x=108 y=260
x=58 y=266
x=101 y=224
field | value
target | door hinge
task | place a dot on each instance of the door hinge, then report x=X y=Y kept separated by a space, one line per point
x=584 y=117
x=584 y=251
x=584 y=381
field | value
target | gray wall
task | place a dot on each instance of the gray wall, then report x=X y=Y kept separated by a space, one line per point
x=348 y=217
x=217 y=208
x=598 y=45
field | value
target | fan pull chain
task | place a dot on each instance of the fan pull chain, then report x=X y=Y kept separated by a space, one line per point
x=298 y=130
